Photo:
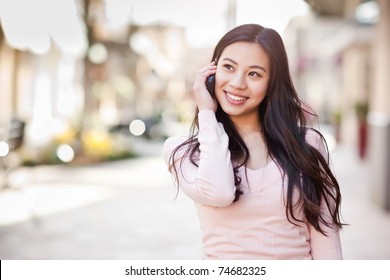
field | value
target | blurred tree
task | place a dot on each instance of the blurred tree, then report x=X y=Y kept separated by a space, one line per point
x=1 y=36
x=88 y=95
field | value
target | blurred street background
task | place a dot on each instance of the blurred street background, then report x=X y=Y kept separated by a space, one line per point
x=90 y=89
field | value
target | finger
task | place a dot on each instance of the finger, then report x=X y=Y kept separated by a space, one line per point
x=211 y=65
x=207 y=71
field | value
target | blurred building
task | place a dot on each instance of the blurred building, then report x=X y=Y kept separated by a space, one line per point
x=341 y=54
x=88 y=85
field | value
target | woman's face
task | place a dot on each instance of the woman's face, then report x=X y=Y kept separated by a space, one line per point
x=242 y=79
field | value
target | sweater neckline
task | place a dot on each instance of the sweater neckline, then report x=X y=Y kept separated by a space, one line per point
x=261 y=168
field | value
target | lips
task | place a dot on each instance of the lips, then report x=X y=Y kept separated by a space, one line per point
x=235 y=99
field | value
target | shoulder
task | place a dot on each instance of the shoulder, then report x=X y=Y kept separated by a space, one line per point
x=315 y=139
x=174 y=141
x=171 y=144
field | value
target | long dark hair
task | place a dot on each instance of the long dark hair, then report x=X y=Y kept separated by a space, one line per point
x=284 y=122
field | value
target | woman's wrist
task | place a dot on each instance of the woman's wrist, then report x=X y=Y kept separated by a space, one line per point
x=206 y=117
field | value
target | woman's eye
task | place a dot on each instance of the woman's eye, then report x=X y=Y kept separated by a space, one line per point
x=228 y=66
x=254 y=74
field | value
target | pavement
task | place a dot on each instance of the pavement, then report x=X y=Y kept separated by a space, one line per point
x=127 y=210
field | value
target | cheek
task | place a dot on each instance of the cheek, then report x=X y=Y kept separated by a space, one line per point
x=220 y=78
x=220 y=81
x=260 y=90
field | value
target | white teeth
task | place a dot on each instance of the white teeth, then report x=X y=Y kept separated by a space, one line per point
x=235 y=98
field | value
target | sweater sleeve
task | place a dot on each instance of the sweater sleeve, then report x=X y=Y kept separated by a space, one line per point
x=212 y=182
x=323 y=247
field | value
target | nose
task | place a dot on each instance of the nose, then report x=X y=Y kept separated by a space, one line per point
x=238 y=81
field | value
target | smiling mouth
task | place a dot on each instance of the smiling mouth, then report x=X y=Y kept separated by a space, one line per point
x=235 y=98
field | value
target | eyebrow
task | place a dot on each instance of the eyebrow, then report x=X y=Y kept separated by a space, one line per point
x=252 y=66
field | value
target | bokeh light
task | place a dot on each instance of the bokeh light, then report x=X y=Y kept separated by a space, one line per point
x=65 y=153
x=4 y=149
x=97 y=53
x=137 y=127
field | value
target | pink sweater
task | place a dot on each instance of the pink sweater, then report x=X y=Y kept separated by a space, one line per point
x=254 y=227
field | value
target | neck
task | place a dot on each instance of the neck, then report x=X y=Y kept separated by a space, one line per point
x=251 y=133
x=247 y=125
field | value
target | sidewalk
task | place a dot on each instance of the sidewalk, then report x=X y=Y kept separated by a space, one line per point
x=126 y=210
x=117 y=210
x=368 y=234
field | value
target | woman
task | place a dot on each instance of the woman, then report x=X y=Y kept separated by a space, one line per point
x=259 y=176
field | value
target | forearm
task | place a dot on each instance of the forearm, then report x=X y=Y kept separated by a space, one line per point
x=325 y=247
x=212 y=182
